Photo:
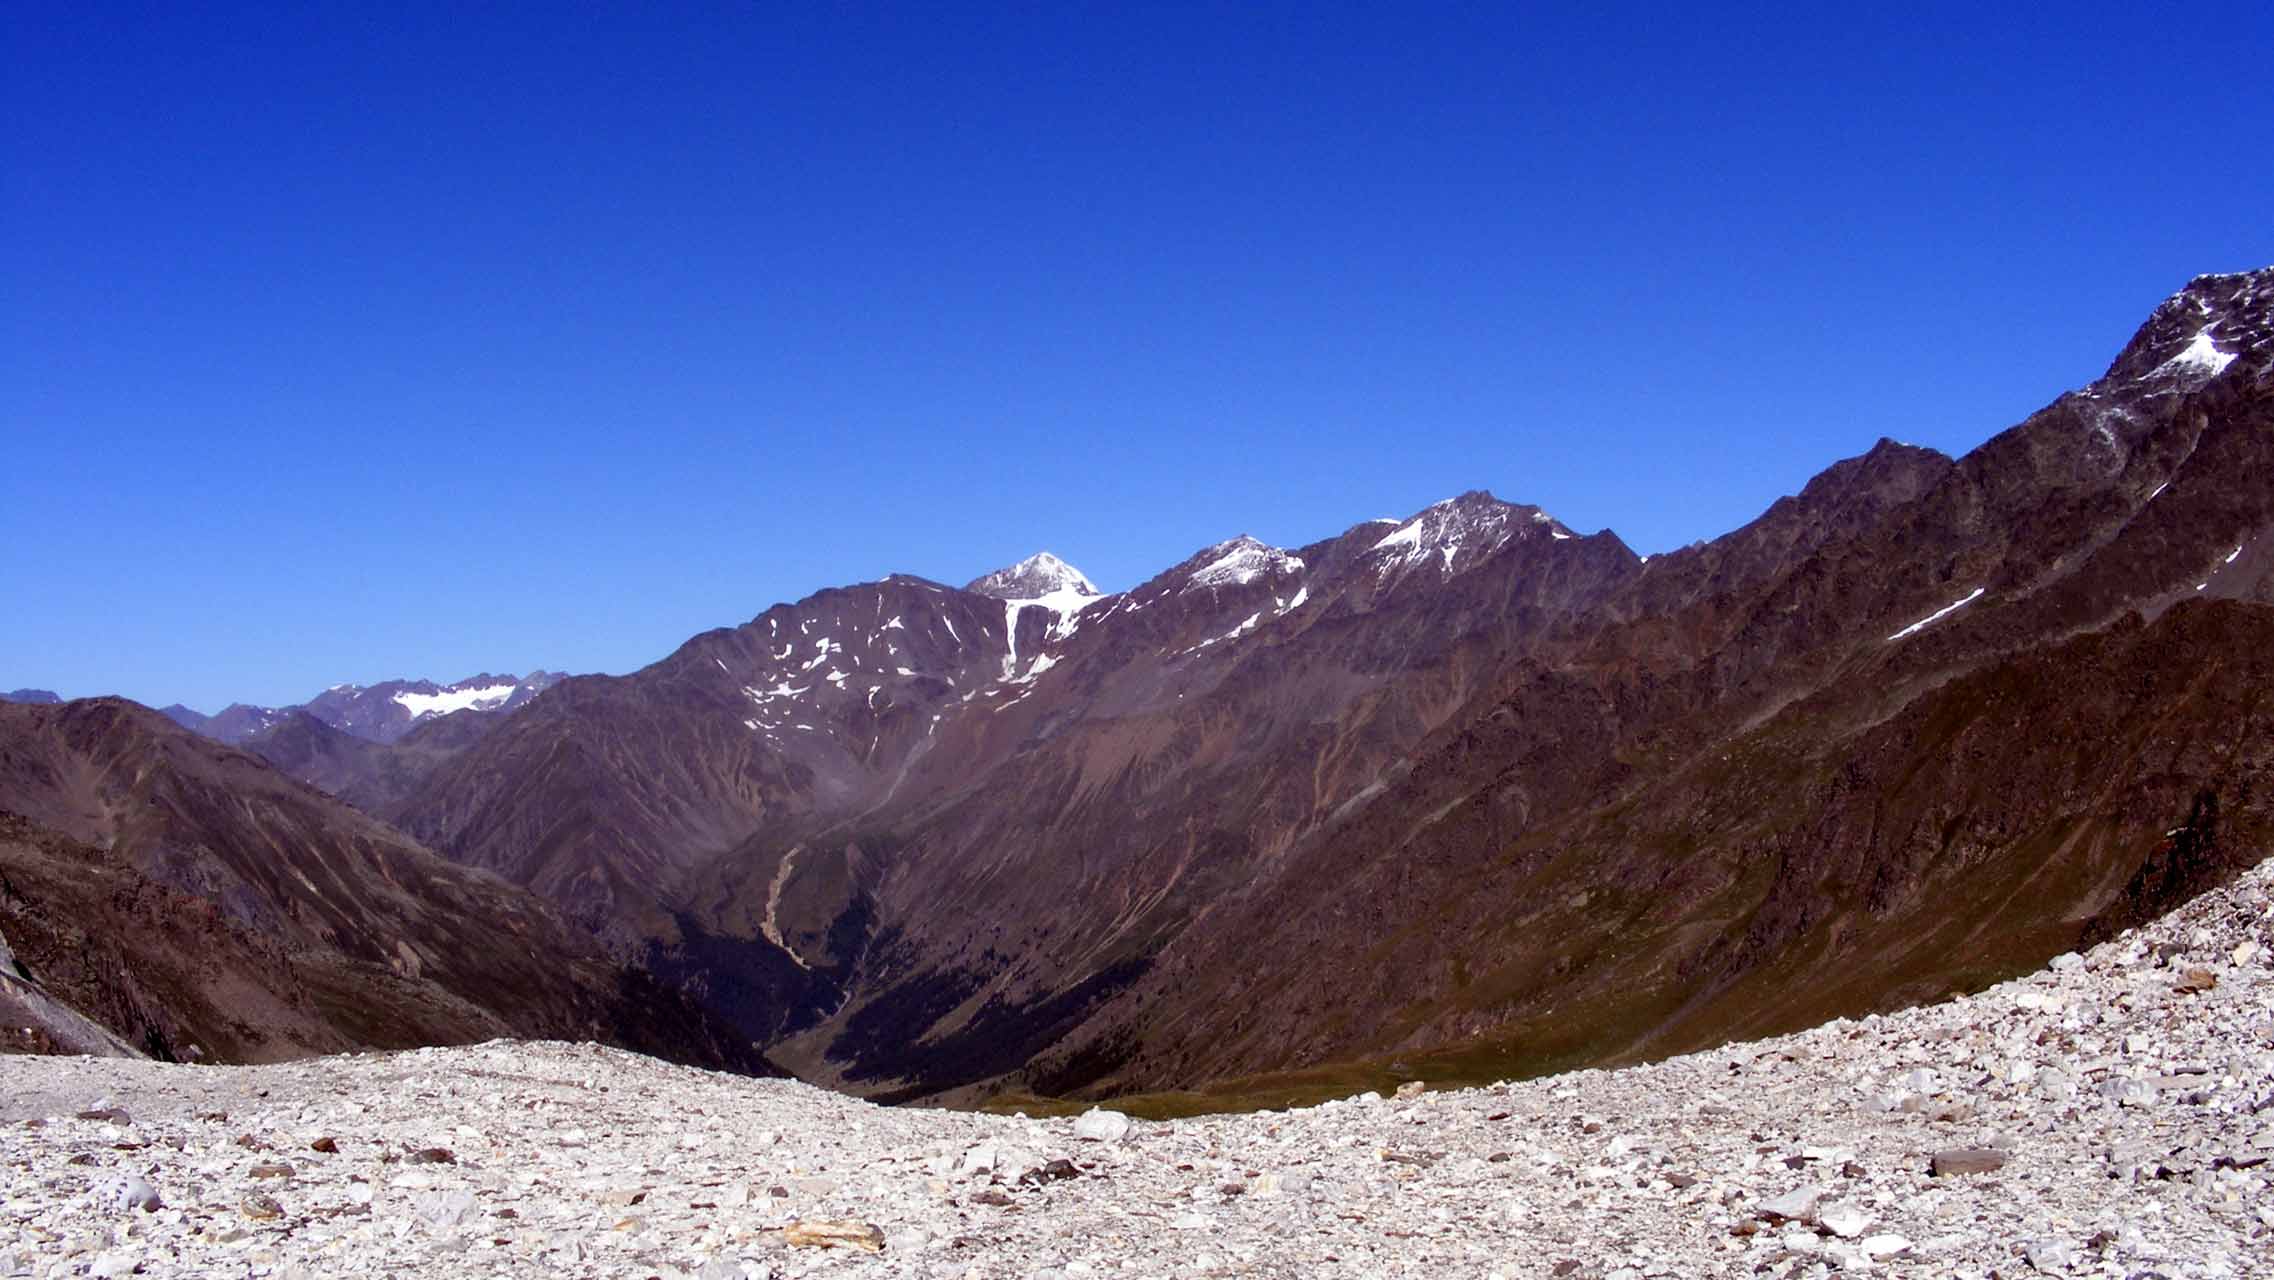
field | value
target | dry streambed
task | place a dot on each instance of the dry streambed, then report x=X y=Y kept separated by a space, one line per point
x=2113 y=1115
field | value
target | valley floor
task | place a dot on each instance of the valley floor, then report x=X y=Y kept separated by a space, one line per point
x=2118 y=1111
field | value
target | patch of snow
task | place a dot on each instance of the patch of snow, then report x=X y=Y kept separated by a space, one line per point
x=2159 y=489
x=1302 y=593
x=2232 y=554
x=1938 y=614
x=1405 y=535
x=1041 y=664
x=1559 y=535
x=894 y=624
x=721 y=663
x=1011 y=636
x=422 y=705
x=2199 y=354
x=1065 y=606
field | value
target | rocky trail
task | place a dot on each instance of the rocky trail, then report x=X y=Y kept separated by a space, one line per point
x=2110 y=1116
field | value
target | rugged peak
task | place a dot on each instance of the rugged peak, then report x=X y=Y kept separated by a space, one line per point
x=1038 y=577
x=2193 y=335
x=1239 y=561
x=1461 y=531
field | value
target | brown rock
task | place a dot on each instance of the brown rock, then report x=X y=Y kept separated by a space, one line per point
x=326 y=1145
x=433 y=1155
x=2195 y=980
x=260 y=1206
x=1961 y=1160
x=825 y=1233
x=277 y=1170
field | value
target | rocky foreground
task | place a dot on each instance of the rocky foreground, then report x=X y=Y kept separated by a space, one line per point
x=2112 y=1116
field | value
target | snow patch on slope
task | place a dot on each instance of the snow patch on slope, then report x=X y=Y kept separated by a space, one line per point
x=480 y=698
x=2200 y=355
x=1938 y=614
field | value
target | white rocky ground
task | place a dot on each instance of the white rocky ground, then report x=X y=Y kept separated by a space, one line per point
x=2126 y=1099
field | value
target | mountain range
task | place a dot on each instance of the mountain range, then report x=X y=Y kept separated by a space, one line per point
x=1468 y=793
x=382 y=713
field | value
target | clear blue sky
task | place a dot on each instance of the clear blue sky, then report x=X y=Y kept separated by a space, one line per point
x=342 y=342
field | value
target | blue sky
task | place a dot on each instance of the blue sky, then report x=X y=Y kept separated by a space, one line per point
x=349 y=342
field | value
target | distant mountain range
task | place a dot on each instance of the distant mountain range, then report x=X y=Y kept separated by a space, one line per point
x=1463 y=794
x=375 y=713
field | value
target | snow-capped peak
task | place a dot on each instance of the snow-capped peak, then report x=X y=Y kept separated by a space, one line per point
x=1240 y=561
x=1038 y=577
x=1466 y=528
x=1043 y=580
x=1459 y=533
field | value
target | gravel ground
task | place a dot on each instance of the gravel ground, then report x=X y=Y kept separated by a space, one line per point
x=2111 y=1116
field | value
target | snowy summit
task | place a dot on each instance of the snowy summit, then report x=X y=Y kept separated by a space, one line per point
x=1041 y=578
x=1466 y=529
x=1242 y=560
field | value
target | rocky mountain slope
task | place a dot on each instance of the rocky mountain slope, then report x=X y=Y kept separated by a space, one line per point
x=184 y=893
x=1467 y=787
x=2106 y=1116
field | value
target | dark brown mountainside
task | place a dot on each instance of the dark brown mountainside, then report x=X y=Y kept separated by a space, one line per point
x=1467 y=784
x=191 y=892
x=368 y=774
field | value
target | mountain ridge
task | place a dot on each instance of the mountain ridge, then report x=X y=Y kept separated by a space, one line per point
x=1466 y=784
